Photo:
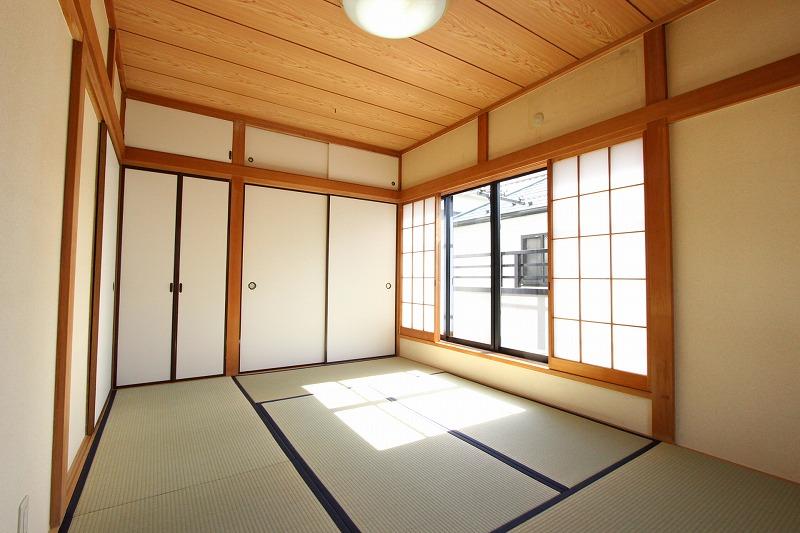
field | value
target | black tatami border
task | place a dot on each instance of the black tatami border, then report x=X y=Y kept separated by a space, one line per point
x=66 y=523
x=329 y=503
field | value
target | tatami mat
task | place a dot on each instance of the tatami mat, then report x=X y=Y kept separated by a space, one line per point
x=674 y=489
x=562 y=446
x=286 y=383
x=273 y=498
x=162 y=438
x=402 y=479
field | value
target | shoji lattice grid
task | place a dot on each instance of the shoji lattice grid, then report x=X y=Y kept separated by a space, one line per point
x=599 y=275
x=419 y=264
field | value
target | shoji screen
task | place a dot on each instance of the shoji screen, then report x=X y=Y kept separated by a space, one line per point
x=283 y=278
x=598 y=261
x=419 y=265
x=361 y=273
x=203 y=260
x=146 y=274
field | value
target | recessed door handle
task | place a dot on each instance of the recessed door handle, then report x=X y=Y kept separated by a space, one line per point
x=180 y=287
x=388 y=286
x=170 y=286
x=251 y=285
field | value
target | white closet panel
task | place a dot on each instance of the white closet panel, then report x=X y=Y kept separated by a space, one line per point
x=287 y=153
x=362 y=166
x=361 y=265
x=178 y=132
x=146 y=271
x=202 y=278
x=283 y=314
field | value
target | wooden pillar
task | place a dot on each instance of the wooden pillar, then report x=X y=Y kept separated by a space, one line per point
x=235 y=228
x=483 y=137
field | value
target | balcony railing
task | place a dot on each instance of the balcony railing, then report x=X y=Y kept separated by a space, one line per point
x=527 y=269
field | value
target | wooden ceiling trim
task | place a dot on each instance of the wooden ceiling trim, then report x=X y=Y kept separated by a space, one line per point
x=637 y=34
x=655 y=9
x=578 y=26
x=194 y=93
x=483 y=37
x=324 y=27
x=166 y=59
x=205 y=33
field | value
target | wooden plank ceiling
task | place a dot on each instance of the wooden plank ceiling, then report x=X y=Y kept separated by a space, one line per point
x=302 y=63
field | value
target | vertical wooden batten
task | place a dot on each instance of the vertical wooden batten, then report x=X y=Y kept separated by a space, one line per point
x=660 y=320
x=66 y=289
x=483 y=137
x=233 y=318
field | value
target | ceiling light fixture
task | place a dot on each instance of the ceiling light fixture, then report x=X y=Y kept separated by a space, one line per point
x=394 y=19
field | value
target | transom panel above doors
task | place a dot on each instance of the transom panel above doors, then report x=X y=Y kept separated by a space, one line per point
x=303 y=64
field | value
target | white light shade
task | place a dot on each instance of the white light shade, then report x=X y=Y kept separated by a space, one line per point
x=394 y=19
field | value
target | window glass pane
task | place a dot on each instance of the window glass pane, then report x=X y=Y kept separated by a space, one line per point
x=418 y=238
x=595 y=261
x=627 y=165
x=523 y=247
x=407 y=287
x=566 y=298
x=417 y=296
x=417 y=318
x=565 y=218
x=430 y=237
x=419 y=213
x=429 y=291
x=594 y=171
x=596 y=300
x=628 y=256
x=594 y=214
x=630 y=349
x=406 y=323
x=630 y=302
x=566 y=340
x=430 y=264
x=565 y=258
x=627 y=209
x=596 y=344
x=565 y=178
x=407 y=240
x=408 y=215
x=418 y=261
x=429 y=323
x=470 y=307
x=430 y=210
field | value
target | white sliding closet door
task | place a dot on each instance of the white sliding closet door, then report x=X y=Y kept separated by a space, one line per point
x=202 y=278
x=361 y=274
x=283 y=279
x=144 y=351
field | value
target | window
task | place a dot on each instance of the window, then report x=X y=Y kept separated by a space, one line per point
x=495 y=267
x=599 y=268
x=419 y=265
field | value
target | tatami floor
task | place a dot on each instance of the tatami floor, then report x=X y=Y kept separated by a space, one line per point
x=389 y=445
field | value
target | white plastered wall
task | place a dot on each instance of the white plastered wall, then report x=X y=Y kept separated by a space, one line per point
x=450 y=152
x=735 y=188
x=617 y=408
x=35 y=52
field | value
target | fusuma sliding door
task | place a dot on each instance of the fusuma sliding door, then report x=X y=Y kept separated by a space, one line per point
x=172 y=298
x=283 y=278
x=361 y=274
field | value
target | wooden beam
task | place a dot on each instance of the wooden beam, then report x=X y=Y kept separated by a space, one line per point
x=254 y=121
x=66 y=288
x=660 y=320
x=112 y=54
x=139 y=157
x=483 y=137
x=761 y=81
x=235 y=250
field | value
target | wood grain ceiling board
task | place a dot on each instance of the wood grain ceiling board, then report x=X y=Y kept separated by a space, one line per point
x=486 y=38
x=578 y=26
x=655 y=9
x=324 y=27
x=188 y=28
x=203 y=95
x=155 y=56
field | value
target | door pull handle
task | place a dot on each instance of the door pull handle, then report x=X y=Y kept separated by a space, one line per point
x=170 y=286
